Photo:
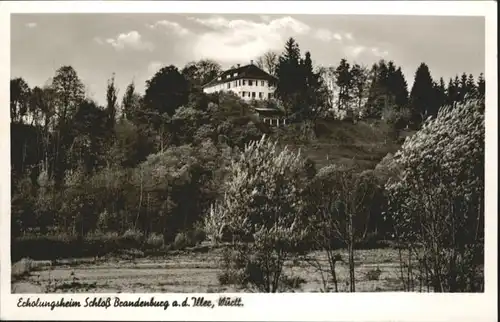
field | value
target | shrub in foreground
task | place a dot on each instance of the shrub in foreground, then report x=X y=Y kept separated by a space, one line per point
x=436 y=202
x=263 y=213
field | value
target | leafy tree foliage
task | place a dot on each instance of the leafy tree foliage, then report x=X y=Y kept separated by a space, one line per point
x=90 y=133
x=19 y=97
x=268 y=62
x=69 y=92
x=262 y=204
x=166 y=91
x=201 y=72
x=340 y=201
x=111 y=100
x=437 y=200
x=131 y=103
x=359 y=82
x=344 y=83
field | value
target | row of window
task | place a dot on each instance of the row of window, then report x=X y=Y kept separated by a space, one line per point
x=227 y=76
x=243 y=82
x=253 y=94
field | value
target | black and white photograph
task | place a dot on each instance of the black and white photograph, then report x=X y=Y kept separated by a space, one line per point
x=247 y=153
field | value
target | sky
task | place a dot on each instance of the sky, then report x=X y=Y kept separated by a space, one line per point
x=135 y=46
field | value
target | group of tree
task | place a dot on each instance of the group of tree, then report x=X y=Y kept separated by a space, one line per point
x=175 y=159
x=298 y=85
x=78 y=166
x=382 y=92
x=274 y=212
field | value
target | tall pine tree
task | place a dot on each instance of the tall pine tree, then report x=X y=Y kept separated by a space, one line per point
x=290 y=77
x=471 y=86
x=463 y=91
x=312 y=86
x=399 y=88
x=481 y=85
x=422 y=98
x=441 y=97
x=451 y=93
x=298 y=84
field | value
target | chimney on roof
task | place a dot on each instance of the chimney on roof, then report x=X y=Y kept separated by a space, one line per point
x=251 y=62
x=238 y=65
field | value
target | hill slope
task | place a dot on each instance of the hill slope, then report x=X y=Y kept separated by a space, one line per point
x=363 y=143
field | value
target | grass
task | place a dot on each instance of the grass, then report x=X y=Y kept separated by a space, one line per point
x=197 y=272
x=363 y=144
x=373 y=275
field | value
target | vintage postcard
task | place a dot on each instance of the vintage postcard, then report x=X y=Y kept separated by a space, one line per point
x=249 y=161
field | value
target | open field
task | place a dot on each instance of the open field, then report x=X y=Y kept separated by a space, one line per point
x=188 y=272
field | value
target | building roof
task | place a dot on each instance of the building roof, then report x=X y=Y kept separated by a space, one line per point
x=264 y=111
x=247 y=71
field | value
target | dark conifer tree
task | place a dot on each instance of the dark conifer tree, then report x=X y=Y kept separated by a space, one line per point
x=399 y=88
x=452 y=93
x=441 y=97
x=290 y=77
x=463 y=89
x=422 y=98
x=481 y=85
x=312 y=84
x=471 y=86
x=456 y=85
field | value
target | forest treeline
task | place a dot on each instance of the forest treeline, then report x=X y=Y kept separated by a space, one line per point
x=176 y=166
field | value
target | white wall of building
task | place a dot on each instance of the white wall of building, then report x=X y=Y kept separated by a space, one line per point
x=259 y=89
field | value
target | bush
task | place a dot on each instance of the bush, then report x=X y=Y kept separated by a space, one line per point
x=263 y=211
x=133 y=238
x=399 y=118
x=198 y=235
x=66 y=246
x=436 y=203
x=44 y=247
x=182 y=241
x=232 y=267
x=373 y=274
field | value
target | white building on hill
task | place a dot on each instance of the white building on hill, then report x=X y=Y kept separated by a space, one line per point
x=248 y=82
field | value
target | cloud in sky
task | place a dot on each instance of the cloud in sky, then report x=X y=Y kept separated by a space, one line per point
x=31 y=24
x=131 y=40
x=170 y=26
x=232 y=40
x=326 y=35
x=235 y=40
x=378 y=52
x=354 y=51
